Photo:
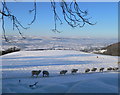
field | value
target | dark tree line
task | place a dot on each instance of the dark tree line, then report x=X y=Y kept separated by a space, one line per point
x=9 y=50
x=72 y=14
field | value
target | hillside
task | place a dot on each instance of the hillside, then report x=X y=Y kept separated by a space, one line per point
x=113 y=49
x=17 y=67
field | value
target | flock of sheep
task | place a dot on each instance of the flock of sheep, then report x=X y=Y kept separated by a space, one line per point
x=46 y=73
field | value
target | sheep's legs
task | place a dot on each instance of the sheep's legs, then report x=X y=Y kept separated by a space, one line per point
x=32 y=76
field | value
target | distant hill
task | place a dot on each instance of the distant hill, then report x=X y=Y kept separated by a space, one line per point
x=113 y=49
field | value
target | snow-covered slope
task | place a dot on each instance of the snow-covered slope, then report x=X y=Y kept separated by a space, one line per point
x=18 y=66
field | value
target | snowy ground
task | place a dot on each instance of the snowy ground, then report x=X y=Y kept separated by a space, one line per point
x=72 y=43
x=18 y=66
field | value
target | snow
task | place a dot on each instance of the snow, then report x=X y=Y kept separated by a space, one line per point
x=100 y=51
x=71 y=43
x=18 y=66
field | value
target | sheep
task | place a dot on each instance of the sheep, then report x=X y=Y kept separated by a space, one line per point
x=115 y=69
x=94 y=69
x=87 y=70
x=45 y=73
x=101 y=69
x=109 y=69
x=63 y=72
x=36 y=72
x=74 y=71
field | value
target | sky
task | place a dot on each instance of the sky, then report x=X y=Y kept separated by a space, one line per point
x=104 y=13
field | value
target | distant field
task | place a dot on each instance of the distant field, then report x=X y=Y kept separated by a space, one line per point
x=76 y=43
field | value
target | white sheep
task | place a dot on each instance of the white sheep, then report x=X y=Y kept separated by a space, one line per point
x=36 y=72
x=45 y=73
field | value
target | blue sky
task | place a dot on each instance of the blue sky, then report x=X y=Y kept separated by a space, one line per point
x=104 y=13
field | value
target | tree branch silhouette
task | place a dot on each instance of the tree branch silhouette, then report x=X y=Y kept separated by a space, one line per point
x=33 y=10
x=15 y=22
x=71 y=11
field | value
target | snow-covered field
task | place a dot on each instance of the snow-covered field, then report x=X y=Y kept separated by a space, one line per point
x=75 y=43
x=18 y=66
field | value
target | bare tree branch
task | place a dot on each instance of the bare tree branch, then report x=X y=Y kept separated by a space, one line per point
x=16 y=23
x=56 y=17
x=72 y=14
x=33 y=10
